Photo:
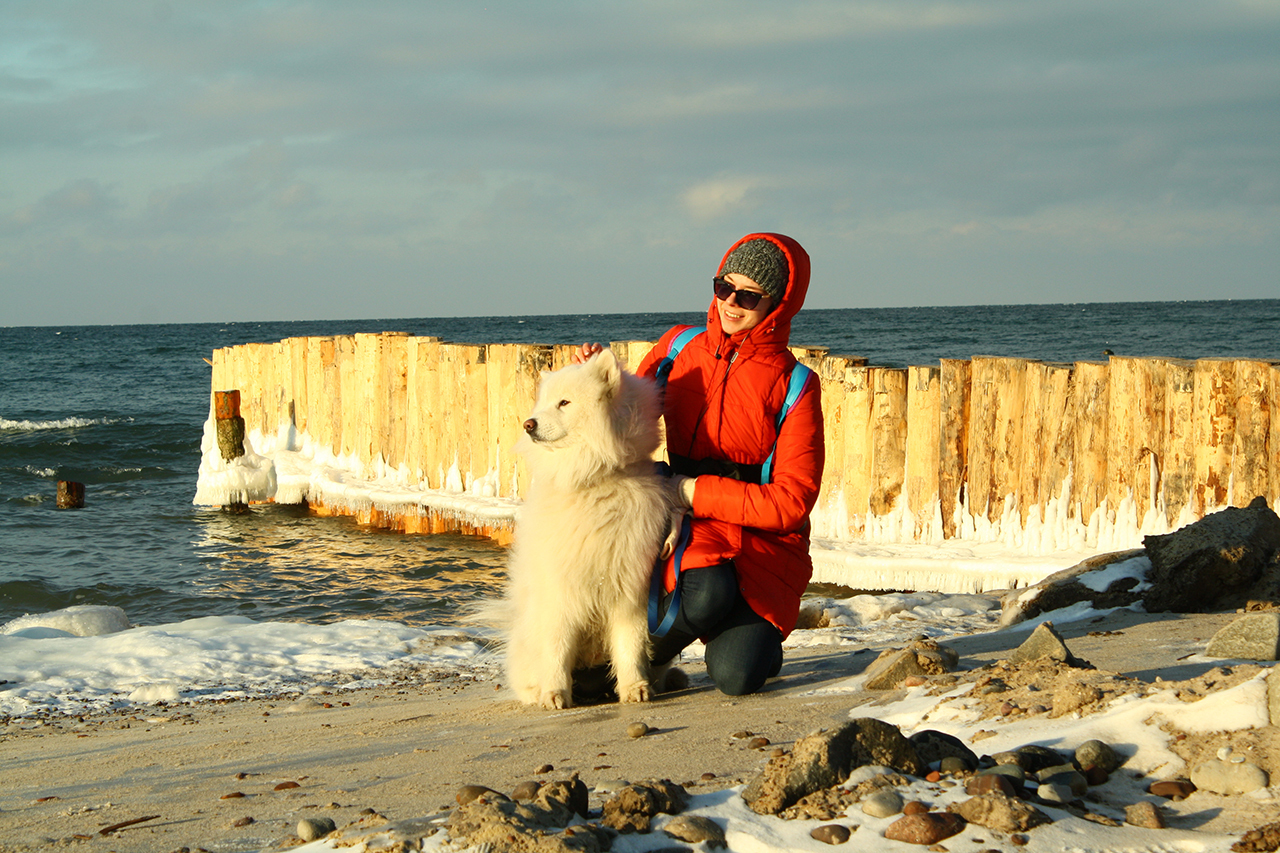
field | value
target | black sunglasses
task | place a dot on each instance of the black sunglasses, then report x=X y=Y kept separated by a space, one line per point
x=747 y=299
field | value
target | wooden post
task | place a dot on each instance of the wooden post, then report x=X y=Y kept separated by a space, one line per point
x=829 y=520
x=995 y=439
x=1090 y=403
x=70 y=494
x=391 y=396
x=924 y=424
x=857 y=449
x=229 y=424
x=1135 y=442
x=1215 y=411
x=1273 y=438
x=1047 y=435
x=953 y=440
x=1178 y=466
x=888 y=438
x=1250 y=463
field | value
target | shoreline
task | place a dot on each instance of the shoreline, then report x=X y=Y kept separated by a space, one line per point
x=404 y=749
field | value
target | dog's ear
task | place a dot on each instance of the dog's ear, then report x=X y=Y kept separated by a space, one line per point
x=606 y=363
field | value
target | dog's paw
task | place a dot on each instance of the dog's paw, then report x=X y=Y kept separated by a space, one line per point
x=555 y=700
x=638 y=692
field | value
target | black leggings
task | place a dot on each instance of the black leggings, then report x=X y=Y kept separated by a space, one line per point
x=743 y=648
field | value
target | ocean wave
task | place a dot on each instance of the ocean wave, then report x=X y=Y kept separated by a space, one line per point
x=64 y=423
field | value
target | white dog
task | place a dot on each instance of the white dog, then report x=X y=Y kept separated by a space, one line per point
x=588 y=533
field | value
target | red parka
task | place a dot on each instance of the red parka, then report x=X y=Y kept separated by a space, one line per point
x=721 y=402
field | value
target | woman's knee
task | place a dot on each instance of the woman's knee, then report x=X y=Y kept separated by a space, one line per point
x=707 y=596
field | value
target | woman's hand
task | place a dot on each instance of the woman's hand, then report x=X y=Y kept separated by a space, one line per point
x=585 y=352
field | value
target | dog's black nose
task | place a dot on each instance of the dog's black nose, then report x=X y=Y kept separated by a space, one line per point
x=530 y=425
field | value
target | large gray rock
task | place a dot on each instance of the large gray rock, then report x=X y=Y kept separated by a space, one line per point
x=1215 y=563
x=826 y=758
x=1081 y=582
x=1046 y=642
x=1254 y=636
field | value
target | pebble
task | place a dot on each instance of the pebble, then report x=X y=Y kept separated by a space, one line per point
x=244 y=821
x=883 y=803
x=696 y=829
x=637 y=730
x=1228 y=779
x=707 y=777
x=285 y=786
x=1145 y=815
x=313 y=828
x=831 y=833
x=468 y=793
x=546 y=768
x=925 y=829
x=1099 y=754
x=1172 y=789
x=526 y=790
x=1055 y=792
x=985 y=783
x=758 y=743
x=914 y=807
x=234 y=795
x=954 y=764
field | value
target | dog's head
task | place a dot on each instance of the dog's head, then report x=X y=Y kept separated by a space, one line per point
x=592 y=417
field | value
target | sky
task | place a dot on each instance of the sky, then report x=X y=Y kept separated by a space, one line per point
x=238 y=161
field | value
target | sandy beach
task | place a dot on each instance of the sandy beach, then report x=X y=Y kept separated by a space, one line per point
x=199 y=772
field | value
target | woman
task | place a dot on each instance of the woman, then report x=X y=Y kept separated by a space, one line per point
x=746 y=561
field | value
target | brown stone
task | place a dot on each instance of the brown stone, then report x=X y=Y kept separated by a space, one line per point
x=1264 y=839
x=1001 y=813
x=928 y=828
x=987 y=783
x=1145 y=815
x=1172 y=789
x=831 y=833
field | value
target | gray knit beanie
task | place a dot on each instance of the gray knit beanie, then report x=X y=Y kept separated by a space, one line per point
x=763 y=262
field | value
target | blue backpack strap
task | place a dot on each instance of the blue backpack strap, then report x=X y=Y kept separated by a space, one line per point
x=795 y=387
x=655 y=586
x=677 y=344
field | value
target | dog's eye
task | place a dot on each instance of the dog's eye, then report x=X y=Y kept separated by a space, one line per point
x=563 y=403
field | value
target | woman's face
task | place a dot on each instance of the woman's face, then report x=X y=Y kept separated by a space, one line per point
x=733 y=317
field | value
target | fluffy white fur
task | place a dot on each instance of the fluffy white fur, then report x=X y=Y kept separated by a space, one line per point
x=587 y=535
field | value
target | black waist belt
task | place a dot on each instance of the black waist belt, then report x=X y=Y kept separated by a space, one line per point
x=717 y=467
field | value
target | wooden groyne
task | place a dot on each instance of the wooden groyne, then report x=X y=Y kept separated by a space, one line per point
x=968 y=448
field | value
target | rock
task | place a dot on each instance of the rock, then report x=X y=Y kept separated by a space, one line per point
x=825 y=759
x=1213 y=563
x=1172 y=789
x=933 y=746
x=1273 y=695
x=467 y=793
x=883 y=803
x=1254 y=636
x=831 y=833
x=632 y=809
x=923 y=657
x=1031 y=758
x=1227 y=778
x=1067 y=776
x=1145 y=815
x=1098 y=754
x=891 y=669
x=1055 y=792
x=1261 y=840
x=1000 y=813
x=525 y=790
x=636 y=730
x=696 y=829
x=927 y=828
x=1073 y=585
x=999 y=783
x=955 y=764
x=312 y=828
x=1045 y=642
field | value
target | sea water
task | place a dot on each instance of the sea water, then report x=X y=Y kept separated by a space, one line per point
x=121 y=409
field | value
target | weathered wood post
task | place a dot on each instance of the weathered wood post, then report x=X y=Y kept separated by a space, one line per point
x=953 y=440
x=1250 y=462
x=70 y=494
x=1090 y=401
x=229 y=426
x=924 y=419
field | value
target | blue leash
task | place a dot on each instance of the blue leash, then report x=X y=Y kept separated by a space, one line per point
x=655 y=585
